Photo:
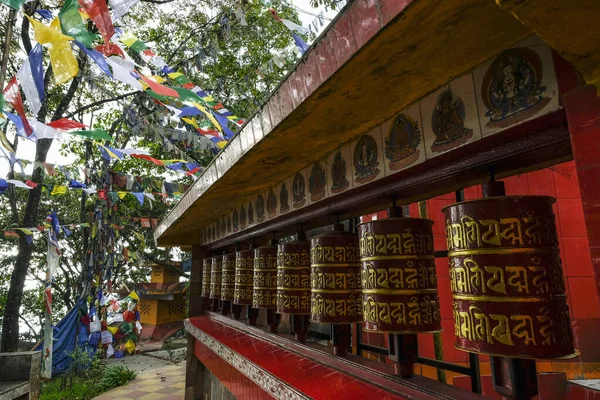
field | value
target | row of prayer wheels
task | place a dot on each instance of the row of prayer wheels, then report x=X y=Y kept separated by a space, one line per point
x=505 y=276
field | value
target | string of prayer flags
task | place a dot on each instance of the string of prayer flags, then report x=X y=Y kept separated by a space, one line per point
x=12 y=95
x=64 y=64
x=109 y=153
x=72 y=24
x=109 y=49
x=43 y=131
x=121 y=74
x=158 y=88
x=14 y=4
x=19 y=184
x=293 y=27
x=19 y=127
x=121 y=7
x=97 y=57
x=98 y=12
x=98 y=134
x=131 y=41
x=31 y=78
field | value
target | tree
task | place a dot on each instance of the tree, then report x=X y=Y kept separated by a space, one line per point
x=212 y=45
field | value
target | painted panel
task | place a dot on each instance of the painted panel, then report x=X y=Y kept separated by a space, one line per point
x=403 y=143
x=317 y=181
x=517 y=85
x=284 y=197
x=339 y=171
x=450 y=117
x=299 y=190
x=367 y=158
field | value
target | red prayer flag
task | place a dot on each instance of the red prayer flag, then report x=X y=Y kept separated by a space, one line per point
x=158 y=88
x=109 y=49
x=98 y=12
x=12 y=95
x=188 y=85
x=145 y=157
x=102 y=194
x=66 y=124
x=145 y=222
x=148 y=53
x=11 y=233
x=30 y=183
x=154 y=223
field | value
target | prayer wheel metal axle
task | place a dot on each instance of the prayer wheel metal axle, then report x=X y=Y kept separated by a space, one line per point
x=264 y=294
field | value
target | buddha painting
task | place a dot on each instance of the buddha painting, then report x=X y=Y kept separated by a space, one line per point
x=511 y=88
x=284 y=199
x=228 y=224
x=402 y=143
x=250 y=213
x=271 y=203
x=223 y=227
x=298 y=190
x=260 y=208
x=365 y=159
x=317 y=182
x=338 y=174
x=448 y=123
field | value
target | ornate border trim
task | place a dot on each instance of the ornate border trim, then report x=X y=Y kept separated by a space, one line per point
x=265 y=380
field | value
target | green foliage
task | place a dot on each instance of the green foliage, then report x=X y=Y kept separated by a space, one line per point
x=81 y=389
x=116 y=375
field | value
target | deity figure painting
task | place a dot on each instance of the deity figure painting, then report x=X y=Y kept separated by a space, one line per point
x=236 y=220
x=250 y=214
x=213 y=234
x=365 y=159
x=271 y=203
x=228 y=224
x=402 y=143
x=338 y=174
x=448 y=123
x=223 y=227
x=260 y=208
x=218 y=230
x=511 y=88
x=298 y=190
x=317 y=182
x=284 y=199
x=243 y=217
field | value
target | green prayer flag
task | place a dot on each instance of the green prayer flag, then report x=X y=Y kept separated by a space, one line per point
x=188 y=95
x=1 y=102
x=156 y=96
x=138 y=46
x=99 y=134
x=72 y=24
x=15 y=4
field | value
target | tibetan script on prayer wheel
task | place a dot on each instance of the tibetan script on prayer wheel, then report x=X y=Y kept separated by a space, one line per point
x=206 y=278
x=244 y=276
x=335 y=294
x=264 y=293
x=293 y=277
x=215 y=277
x=228 y=276
x=506 y=278
x=399 y=283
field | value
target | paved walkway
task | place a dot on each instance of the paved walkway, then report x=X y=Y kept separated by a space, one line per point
x=164 y=383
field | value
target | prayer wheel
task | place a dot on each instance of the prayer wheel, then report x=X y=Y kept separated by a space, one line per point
x=227 y=282
x=215 y=278
x=506 y=278
x=265 y=277
x=336 y=296
x=206 y=277
x=399 y=284
x=244 y=276
x=293 y=277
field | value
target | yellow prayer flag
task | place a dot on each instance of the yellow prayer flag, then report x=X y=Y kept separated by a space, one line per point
x=174 y=75
x=64 y=63
x=24 y=230
x=59 y=190
x=134 y=296
x=128 y=39
x=122 y=194
x=130 y=346
x=112 y=329
x=157 y=78
x=209 y=115
x=190 y=121
x=221 y=144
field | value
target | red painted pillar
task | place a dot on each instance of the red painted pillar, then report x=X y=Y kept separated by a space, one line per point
x=582 y=106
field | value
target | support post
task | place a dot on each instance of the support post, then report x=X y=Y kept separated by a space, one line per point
x=197 y=304
x=252 y=315
x=300 y=327
x=341 y=337
x=273 y=320
x=404 y=351
x=236 y=310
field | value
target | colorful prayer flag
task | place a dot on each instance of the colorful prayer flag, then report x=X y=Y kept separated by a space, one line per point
x=14 y=4
x=31 y=78
x=98 y=134
x=98 y=12
x=12 y=95
x=71 y=23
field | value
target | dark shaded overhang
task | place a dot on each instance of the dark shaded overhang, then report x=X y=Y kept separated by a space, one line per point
x=376 y=59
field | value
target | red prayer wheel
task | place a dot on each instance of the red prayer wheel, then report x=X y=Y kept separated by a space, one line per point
x=293 y=277
x=399 y=283
x=244 y=276
x=506 y=278
x=264 y=293
x=335 y=294
x=228 y=276
x=215 y=278
x=206 y=278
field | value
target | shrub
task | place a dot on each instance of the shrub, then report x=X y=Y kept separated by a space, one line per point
x=116 y=375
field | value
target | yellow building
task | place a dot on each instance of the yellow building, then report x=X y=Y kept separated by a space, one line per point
x=162 y=305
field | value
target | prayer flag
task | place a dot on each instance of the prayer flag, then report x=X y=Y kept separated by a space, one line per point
x=15 y=4
x=98 y=12
x=12 y=95
x=300 y=43
x=121 y=74
x=73 y=184
x=3 y=185
x=158 y=88
x=20 y=129
x=72 y=24
x=99 y=134
x=64 y=63
x=43 y=131
x=65 y=124
x=131 y=41
x=47 y=15
x=58 y=190
x=109 y=49
x=97 y=57
x=108 y=152
x=31 y=78
x=19 y=184
x=292 y=26
x=121 y=7
x=139 y=197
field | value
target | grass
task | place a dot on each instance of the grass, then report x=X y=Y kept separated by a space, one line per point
x=81 y=389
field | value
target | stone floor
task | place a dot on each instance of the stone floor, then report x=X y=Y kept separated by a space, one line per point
x=163 y=383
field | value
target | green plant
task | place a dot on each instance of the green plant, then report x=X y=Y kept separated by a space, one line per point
x=116 y=375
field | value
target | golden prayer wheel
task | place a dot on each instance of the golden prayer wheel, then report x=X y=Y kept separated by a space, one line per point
x=506 y=278
x=244 y=276
x=293 y=277
x=215 y=278
x=335 y=294
x=206 y=278
x=228 y=276
x=399 y=283
x=264 y=293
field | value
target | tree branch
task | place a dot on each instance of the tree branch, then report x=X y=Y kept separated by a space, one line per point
x=100 y=102
x=35 y=333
